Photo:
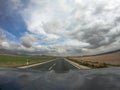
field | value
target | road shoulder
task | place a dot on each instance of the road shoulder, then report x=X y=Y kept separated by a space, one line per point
x=77 y=65
x=33 y=65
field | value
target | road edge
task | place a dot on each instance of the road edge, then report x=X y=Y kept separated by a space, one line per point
x=77 y=65
x=29 y=66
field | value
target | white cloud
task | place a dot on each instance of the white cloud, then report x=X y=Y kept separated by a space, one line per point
x=28 y=40
x=71 y=27
x=51 y=37
x=85 y=25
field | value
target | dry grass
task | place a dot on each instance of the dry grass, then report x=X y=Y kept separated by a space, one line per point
x=100 y=60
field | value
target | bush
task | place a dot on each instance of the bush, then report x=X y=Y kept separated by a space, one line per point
x=90 y=64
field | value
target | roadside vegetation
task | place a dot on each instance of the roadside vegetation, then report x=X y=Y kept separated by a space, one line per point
x=16 y=61
x=99 y=61
x=90 y=64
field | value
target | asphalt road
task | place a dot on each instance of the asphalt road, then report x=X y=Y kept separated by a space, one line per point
x=59 y=65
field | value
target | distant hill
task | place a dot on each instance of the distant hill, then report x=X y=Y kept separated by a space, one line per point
x=110 y=52
x=111 y=58
x=12 y=52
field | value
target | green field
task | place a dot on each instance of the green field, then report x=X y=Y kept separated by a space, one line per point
x=15 y=61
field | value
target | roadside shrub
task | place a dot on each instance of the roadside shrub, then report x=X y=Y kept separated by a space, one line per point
x=90 y=64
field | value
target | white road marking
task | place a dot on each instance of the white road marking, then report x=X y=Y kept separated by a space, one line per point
x=77 y=65
x=52 y=66
x=36 y=64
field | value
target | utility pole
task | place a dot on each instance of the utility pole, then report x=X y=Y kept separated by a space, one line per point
x=27 y=62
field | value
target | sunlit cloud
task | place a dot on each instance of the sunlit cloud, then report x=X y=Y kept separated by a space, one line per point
x=61 y=27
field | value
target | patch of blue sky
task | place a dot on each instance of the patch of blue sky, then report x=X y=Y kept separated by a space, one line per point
x=12 y=21
x=39 y=37
x=58 y=41
x=13 y=25
x=8 y=35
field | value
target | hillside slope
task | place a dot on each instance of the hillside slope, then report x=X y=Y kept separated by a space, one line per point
x=113 y=58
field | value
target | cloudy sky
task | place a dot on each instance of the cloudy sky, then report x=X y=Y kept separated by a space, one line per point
x=60 y=27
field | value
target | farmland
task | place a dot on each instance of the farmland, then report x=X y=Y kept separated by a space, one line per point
x=15 y=61
x=99 y=61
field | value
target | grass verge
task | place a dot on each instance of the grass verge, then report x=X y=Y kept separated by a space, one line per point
x=16 y=61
